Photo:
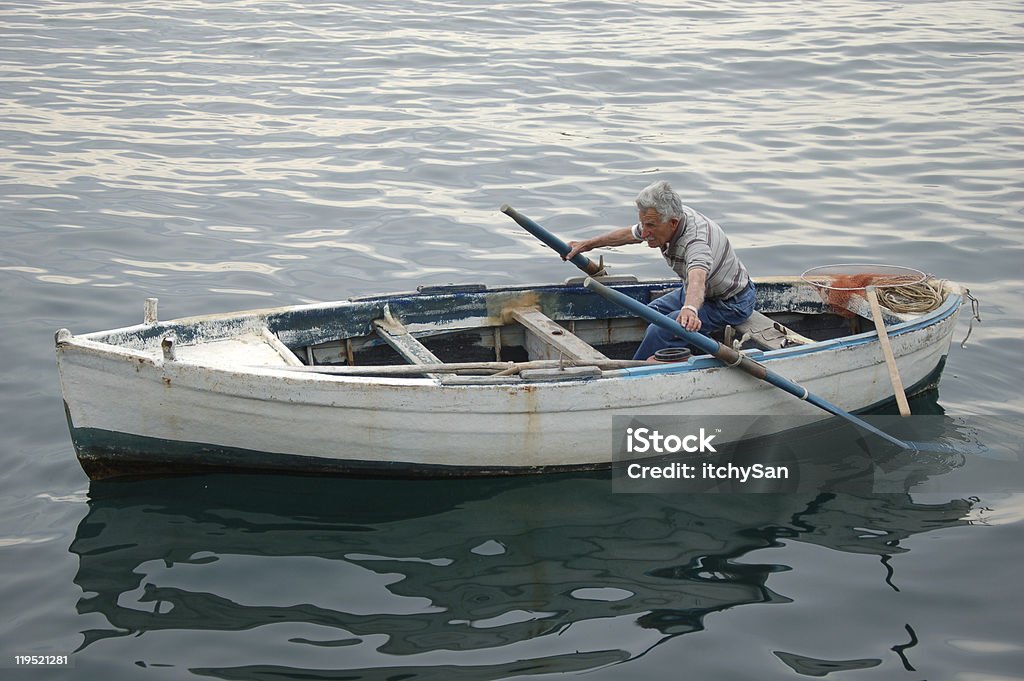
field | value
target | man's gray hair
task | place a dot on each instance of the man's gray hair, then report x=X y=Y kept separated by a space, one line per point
x=661 y=198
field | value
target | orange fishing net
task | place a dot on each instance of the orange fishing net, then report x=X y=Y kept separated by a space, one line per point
x=842 y=286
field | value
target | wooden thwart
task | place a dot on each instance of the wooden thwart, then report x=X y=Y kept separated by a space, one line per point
x=394 y=333
x=399 y=338
x=402 y=342
x=555 y=339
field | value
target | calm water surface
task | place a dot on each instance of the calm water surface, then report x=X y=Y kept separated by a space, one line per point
x=227 y=155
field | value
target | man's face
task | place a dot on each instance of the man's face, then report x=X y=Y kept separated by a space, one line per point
x=655 y=231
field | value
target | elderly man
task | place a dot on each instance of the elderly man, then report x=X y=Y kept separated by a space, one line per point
x=717 y=290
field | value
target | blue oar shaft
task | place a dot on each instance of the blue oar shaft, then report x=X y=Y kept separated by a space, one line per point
x=581 y=261
x=733 y=357
x=727 y=355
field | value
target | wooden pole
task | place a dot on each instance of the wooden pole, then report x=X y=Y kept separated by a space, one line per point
x=890 y=359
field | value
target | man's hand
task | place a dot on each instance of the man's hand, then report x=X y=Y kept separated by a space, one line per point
x=688 y=319
x=577 y=247
x=616 y=237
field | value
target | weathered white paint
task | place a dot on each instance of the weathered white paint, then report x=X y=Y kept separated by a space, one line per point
x=213 y=394
x=237 y=392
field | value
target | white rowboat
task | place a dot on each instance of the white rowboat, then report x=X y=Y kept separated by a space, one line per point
x=455 y=380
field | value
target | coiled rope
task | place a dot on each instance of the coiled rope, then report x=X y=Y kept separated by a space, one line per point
x=916 y=298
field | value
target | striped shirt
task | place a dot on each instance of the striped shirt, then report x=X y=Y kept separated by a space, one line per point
x=700 y=242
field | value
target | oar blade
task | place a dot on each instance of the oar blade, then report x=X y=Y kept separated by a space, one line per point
x=962 y=449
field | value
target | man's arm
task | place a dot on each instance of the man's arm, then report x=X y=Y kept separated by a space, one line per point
x=616 y=237
x=696 y=280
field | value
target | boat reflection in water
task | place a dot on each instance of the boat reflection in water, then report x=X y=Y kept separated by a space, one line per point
x=237 y=576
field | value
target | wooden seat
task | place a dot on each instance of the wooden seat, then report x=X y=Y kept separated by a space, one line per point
x=546 y=339
x=253 y=348
x=394 y=333
x=404 y=344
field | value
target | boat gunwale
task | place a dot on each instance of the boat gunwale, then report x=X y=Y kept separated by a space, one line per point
x=243 y=318
x=251 y=320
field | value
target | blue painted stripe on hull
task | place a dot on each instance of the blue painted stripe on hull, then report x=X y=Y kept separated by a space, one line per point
x=949 y=308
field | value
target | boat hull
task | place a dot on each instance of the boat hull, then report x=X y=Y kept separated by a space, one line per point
x=133 y=412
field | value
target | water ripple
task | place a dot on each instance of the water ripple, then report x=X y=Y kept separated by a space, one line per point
x=211 y=153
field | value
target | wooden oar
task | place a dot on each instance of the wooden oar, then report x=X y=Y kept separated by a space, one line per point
x=727 y=355
x=890 y=359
